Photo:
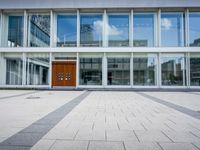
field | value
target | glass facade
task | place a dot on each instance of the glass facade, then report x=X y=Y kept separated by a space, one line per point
x=118 y=30
x=39 y=30
x=118 y=71
x=66 y=30
x=144 y=69
x=172 y=29
x=91 y=27
x=194 y=30
x=15 y=31
x=90 y=71
x=143 y=30
x=173 y=70
x=195 y=69
x=37 y=69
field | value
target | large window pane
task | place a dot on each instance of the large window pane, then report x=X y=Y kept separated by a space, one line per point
x=118 y=30
x=118 y=71
x=15 y=31
x=39 y=30
x=90 y=71
x=194 y=30
x=172 y=29
x=144 y=69
x=195 y=69
x=173 y=70
x=143 y=30
x=91 y=30
x=37 y=69
x=66 y=30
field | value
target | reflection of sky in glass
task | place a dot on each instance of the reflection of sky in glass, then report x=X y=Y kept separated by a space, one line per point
x=194 y=20
x=172 y=29
x=143 y=28
x=66 y=28
x=118 y=27
x=93 y=24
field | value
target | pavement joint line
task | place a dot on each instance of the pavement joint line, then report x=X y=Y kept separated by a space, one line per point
x=176 y=107
x=25 y=140
x=18 y=95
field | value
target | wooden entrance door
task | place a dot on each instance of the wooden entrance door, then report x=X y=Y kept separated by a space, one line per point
x=64 y=73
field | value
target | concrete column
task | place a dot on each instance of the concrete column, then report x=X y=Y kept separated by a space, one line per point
x=25 y=28
x=77 y=69
x=131 y=70
x=131 y=29
x=78 y=28
x=104 y=70
x=50 y=70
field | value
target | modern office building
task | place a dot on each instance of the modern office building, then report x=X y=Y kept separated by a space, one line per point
x=100 y=43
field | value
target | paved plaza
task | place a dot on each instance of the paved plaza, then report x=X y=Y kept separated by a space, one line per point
x=99 y=120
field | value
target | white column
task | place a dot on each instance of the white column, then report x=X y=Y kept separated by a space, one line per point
x=159 y=28
x=24 y=69
x=50 y=70
x=131 y=70
x=1 y=20
x=52 y=29
x=25 y=29
x=77 y=70
x=187 y=65
x=187 y=27
x=78 y=28
x=105 y=29
x=104 y=70
x=131 y=29
x=159 y=78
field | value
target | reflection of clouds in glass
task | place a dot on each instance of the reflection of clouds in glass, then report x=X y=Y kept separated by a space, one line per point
x=166 y=24
x=112 y=30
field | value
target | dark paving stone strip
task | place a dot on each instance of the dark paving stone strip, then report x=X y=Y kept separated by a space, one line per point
x=29 y=136
x=23 y=94
x=179 y=108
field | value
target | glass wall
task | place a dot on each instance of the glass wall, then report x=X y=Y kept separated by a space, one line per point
x=118 y=71
x=39 y=30
x=15 y=31
x=118 y=30
x=195 y=69
x=11 y=68
x=172 y=29
x=91 y=30
x=173 y=70
x=37 y=69
x=144 y=69
x=143 y=30
x=194 y=30
x=66 y=30
x=90 y=71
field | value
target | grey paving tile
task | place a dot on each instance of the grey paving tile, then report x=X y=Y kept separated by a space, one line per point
x=6 y=147
x=100 y=145
x=142 y=146
x=43 y=145
x=122 y=135
x=69 y=145
x=178 y=146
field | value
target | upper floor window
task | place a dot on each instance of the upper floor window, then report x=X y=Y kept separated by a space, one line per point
x=66 y=30
x=172 y=29
x=143 y=30
x=194 y=30
x=91 y=30
x=39 y=30
x=118 y=30
x=15 y=31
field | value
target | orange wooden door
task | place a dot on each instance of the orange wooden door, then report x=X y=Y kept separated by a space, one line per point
x=64 y=73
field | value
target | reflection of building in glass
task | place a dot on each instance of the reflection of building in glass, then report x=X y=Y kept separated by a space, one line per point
x=40 y=31
x=87 y=34
x=196 y=42
x=195 y=71
x=140 y=43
